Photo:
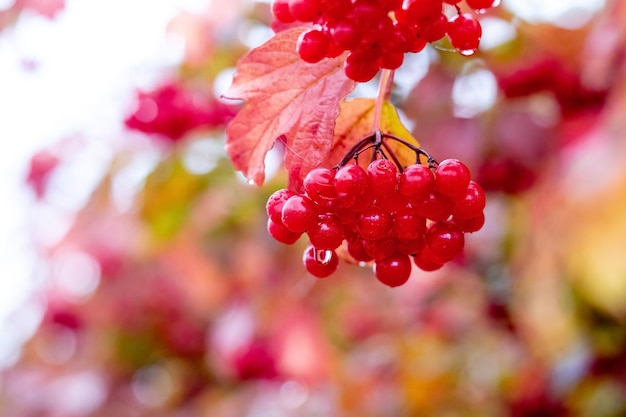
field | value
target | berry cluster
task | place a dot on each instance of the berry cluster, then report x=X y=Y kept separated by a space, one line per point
x=386 y=213
x=378 y=33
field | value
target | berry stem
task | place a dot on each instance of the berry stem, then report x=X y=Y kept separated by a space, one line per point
x=384 y=91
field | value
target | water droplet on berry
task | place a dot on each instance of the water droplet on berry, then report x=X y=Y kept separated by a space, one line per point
x=468 y=52
x=323 y=256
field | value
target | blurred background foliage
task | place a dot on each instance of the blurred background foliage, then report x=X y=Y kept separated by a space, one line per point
x=167 y=297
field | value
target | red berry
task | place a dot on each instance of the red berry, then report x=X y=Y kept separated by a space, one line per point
x=299 y=213
x=350 y=181
x=305 y=10
x=482 y=4
x=464 y=32
x=319 y=184
x=426 y=262
x=391 y=202
x=424 y=11
x=274 y=205
x=382 y=176
x=452 y=178
x=471 y=204
x=436 y=29
x=407 y=224
x=345 y=34
x=374 y=223
x=416 y=182
x=470 y=225
x=328 y=233
x=391 y=60
x=279 y=232
x=411 y=246
x=445 y=241
x=320 y=263
x=394 y=270
x=280 y=10
x=356 y=249
x=313 y=46
x=361 y=66
x=380 y=249
x=435 y=207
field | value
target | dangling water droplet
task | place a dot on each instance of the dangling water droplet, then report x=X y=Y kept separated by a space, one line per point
x=322 y=256
x=362 y=264
x=480 y=11
x=251 y=182
x=468 y=52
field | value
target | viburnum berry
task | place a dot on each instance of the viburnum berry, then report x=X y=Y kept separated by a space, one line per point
x=482 y=4
x=299 y=213
x=407 y=224
x=416 y=182
x=319 y=184
x=313 y=45
x=281 y=12
x=350 y=181
x=452 y=178
x=382 y=176
x=444 y=240
x=327 y=233
x=424 y=11
x=426 y=262
x=394 y=270
x=305 y=10
x=274 y=205
x=391 y=202
x=320 y=263
x=279 y=232
x=471 y=203
x=435 y=207
x=374 y=223
x=464 y=32
x=361 y=66
x=470 y=224
x=344 y=34
x=436 y=29
x=380 y=248
x=356 y=249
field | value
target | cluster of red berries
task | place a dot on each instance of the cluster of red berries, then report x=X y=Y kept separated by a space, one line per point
x=386 y=213
x=378 y=32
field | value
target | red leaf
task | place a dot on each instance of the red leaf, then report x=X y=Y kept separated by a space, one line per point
x=286 y=98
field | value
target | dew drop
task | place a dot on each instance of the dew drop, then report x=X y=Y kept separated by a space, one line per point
x=323 y=256
x=468 y=52
x=480 y=11
x=251 y=182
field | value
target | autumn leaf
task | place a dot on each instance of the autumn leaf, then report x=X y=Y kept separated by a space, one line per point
x=356 y=121
x=287 y=99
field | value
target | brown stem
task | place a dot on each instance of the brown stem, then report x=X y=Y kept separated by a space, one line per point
x=384 y=91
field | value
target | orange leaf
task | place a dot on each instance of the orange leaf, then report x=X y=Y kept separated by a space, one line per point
x=286 y=99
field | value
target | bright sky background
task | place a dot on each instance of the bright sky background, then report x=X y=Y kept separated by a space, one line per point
x=84 y=65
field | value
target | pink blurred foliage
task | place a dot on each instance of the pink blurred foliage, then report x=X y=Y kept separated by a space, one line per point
x=47 y=8
x=42 y=165
x=174 y=110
